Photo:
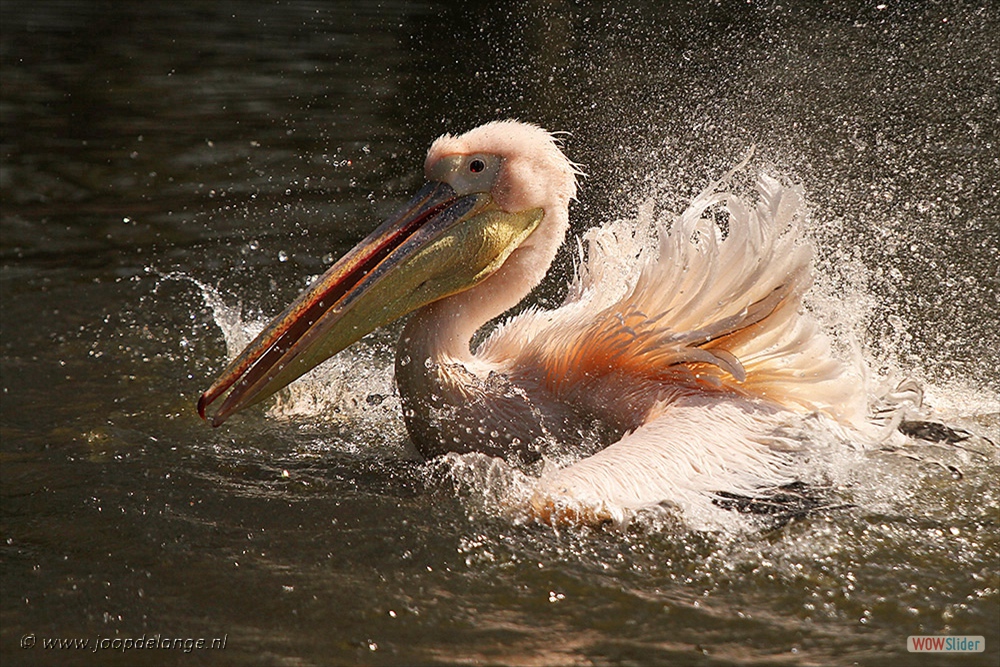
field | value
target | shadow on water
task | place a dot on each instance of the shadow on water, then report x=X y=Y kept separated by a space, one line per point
x=246 y=145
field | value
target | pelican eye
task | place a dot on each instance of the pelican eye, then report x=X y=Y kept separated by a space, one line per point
x=477 y=166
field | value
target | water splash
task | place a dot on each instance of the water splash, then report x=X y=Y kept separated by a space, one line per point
x=355 y=389
x=873 y=469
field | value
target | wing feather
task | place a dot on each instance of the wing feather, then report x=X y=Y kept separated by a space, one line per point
x=685 y=304
x=687 y=452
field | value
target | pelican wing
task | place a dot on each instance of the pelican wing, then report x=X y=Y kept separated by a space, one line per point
x=688 y=450
x=687 y=306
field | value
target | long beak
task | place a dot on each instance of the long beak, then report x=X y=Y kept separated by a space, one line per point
x=440 y=243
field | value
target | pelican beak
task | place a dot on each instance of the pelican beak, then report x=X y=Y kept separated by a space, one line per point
x=439 y=244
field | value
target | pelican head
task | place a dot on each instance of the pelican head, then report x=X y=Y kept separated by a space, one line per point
x=496 y=196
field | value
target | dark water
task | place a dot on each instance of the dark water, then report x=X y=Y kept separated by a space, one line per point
x=244 y=145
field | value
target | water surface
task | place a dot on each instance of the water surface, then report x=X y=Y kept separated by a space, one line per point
x=153 y=155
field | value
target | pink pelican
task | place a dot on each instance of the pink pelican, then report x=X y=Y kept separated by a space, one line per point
x=694 y=351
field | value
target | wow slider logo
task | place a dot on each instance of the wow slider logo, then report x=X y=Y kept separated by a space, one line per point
x=931 y=644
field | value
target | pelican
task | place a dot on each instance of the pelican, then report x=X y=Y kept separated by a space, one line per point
x=690 y=349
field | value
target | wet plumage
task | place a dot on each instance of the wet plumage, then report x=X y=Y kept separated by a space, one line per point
x=689 y=346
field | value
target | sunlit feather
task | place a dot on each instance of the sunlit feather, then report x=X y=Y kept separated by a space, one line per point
x=687 y=339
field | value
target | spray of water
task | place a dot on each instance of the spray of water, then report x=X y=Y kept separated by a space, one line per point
x=870 y=467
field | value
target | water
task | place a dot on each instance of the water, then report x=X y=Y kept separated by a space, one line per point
x=245 y=145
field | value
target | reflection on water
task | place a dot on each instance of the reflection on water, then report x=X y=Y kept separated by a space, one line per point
x=246 y=144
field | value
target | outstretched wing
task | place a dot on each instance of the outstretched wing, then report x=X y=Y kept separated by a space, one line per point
x=683 y=455
x=689 y=305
